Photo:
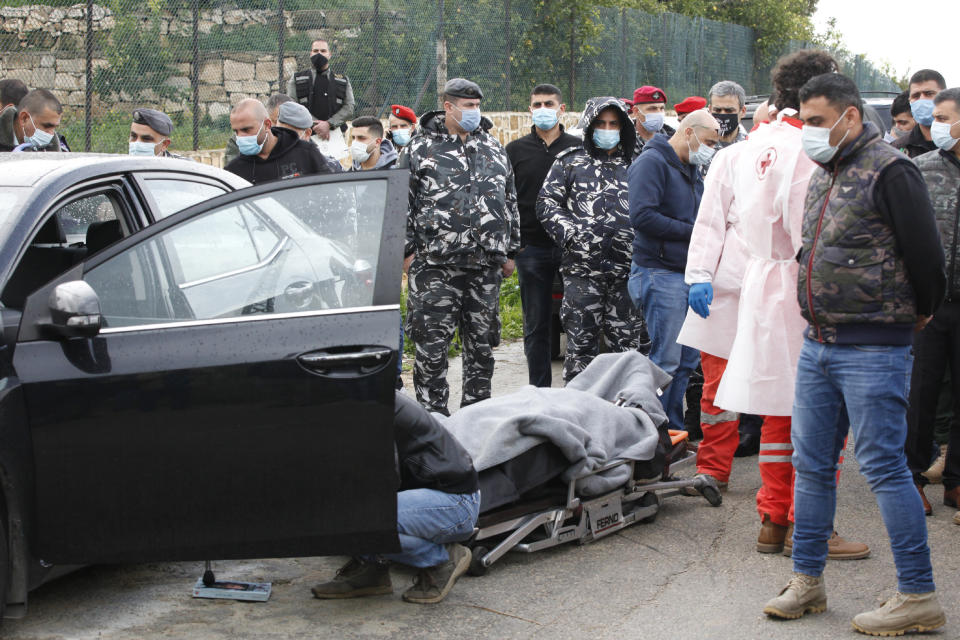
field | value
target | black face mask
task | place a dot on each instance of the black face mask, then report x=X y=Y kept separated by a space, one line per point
x=319 y=61
x=728 y=122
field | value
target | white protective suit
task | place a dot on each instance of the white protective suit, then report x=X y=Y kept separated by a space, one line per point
x=770 y=182
x=717 y=255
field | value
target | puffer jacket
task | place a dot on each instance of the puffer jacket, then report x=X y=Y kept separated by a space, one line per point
x=428 y=456
x=851 y=273
x=463 y=202
x=941 y=172
x=583 y=202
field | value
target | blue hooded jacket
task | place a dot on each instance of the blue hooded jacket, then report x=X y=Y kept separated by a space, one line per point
x=664 y=197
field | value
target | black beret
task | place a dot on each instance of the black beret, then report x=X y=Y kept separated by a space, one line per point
x=156 y=120
x=462 y=88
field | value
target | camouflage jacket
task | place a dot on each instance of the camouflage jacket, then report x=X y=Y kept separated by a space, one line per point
x=941 y=172
x=583 y=202
x=463 y=203
x=850 y=270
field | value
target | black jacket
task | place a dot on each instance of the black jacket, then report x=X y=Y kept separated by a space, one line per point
x=531 y=159
x=291 y=157
x=429 y=457
x=914 y=144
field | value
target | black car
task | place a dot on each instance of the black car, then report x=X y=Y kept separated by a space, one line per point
x=876 y=109
x=209 y=383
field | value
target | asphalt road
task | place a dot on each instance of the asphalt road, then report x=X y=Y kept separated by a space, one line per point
x=692 y=574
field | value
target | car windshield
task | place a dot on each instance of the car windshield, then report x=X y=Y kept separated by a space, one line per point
x=11 y=201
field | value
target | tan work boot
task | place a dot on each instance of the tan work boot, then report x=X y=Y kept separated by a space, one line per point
x=434 y=583
x=837 y=547
x=901 y=613
x=803 y=594
x=771 y=536
x=935 y=473
x=956 y=518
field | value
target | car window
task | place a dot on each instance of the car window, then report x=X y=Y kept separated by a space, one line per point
x=77 y=216
x=176 y=195
x=292 y=250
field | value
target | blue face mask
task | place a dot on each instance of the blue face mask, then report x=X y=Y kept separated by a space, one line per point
x=143 y=149
x=922 y=111
x=545 y=118
x=248 y=145
x=401 y=137
x=653 y=122
x=606 y=139
x=40 y=138
x=469 y=119
x=703 y=154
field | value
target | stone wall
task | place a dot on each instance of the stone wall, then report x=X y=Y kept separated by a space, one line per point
x=223 y=81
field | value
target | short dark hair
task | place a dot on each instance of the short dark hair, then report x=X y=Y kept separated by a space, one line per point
x=38 y=100
x=277 y=99
x=793 y=70
x=925 y=75
x=546 y=90
x=901 y=104
x=953 y=93
x=12 y=91
x=371 y=123
x=839 y=90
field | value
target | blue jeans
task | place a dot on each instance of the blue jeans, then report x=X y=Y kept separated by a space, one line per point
x=537 y=268
x=863 y=388
x=427 y=519
x=662 y=296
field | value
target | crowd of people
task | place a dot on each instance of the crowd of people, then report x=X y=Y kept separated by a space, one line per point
x=808 y=267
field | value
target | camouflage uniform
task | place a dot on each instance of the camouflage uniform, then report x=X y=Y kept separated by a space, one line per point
x=852 y=276
x=463 y=225
x=583 y=207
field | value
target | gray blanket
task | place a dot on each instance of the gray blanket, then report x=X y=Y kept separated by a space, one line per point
x=581 y=420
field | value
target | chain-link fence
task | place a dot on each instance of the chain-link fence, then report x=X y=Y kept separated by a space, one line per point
x=195 y=58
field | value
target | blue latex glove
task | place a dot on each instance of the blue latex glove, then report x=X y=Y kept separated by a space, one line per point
x=700 y=298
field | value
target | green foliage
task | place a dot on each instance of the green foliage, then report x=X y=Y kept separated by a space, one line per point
x=131 y=70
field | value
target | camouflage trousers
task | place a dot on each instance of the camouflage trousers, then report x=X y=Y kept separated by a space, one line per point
x=441 y=299
x=592 y=308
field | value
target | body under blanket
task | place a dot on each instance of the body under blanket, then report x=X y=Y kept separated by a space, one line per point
x=581 y=420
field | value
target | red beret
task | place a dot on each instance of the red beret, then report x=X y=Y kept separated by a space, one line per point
x=627 y=101
x=404 y=113
x=691 y=104
x=647 y=93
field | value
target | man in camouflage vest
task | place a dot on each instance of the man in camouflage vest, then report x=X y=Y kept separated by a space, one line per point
x=871 y=272
x=939 y=343
x=583 y=208
x=463 y=231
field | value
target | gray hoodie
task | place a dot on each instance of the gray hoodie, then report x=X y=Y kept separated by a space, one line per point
x=388 y=157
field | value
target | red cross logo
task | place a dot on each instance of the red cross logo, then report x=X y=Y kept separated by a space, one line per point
x=766 y=160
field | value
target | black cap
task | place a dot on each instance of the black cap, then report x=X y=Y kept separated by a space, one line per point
x=156 y=120
x=462 y=88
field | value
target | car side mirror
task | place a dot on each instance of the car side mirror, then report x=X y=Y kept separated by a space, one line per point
x=74 y=310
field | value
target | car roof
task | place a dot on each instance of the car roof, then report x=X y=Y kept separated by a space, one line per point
x=28 y=169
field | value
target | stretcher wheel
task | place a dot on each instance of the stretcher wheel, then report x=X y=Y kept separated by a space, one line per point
x=476 y=561
x=712 y=494
x=650 y=499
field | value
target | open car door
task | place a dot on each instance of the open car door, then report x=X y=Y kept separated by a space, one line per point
x=232 y=395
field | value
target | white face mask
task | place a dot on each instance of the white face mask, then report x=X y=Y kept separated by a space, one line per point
x=940 y=133
x=359 y=151
x=816 y=142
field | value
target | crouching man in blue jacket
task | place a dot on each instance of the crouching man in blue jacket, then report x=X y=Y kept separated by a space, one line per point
x=437 y=505
x=665 y=188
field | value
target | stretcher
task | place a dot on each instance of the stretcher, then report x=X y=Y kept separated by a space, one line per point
x=555 y=514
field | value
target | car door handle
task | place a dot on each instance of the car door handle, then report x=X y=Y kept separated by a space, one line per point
x=358 y=361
